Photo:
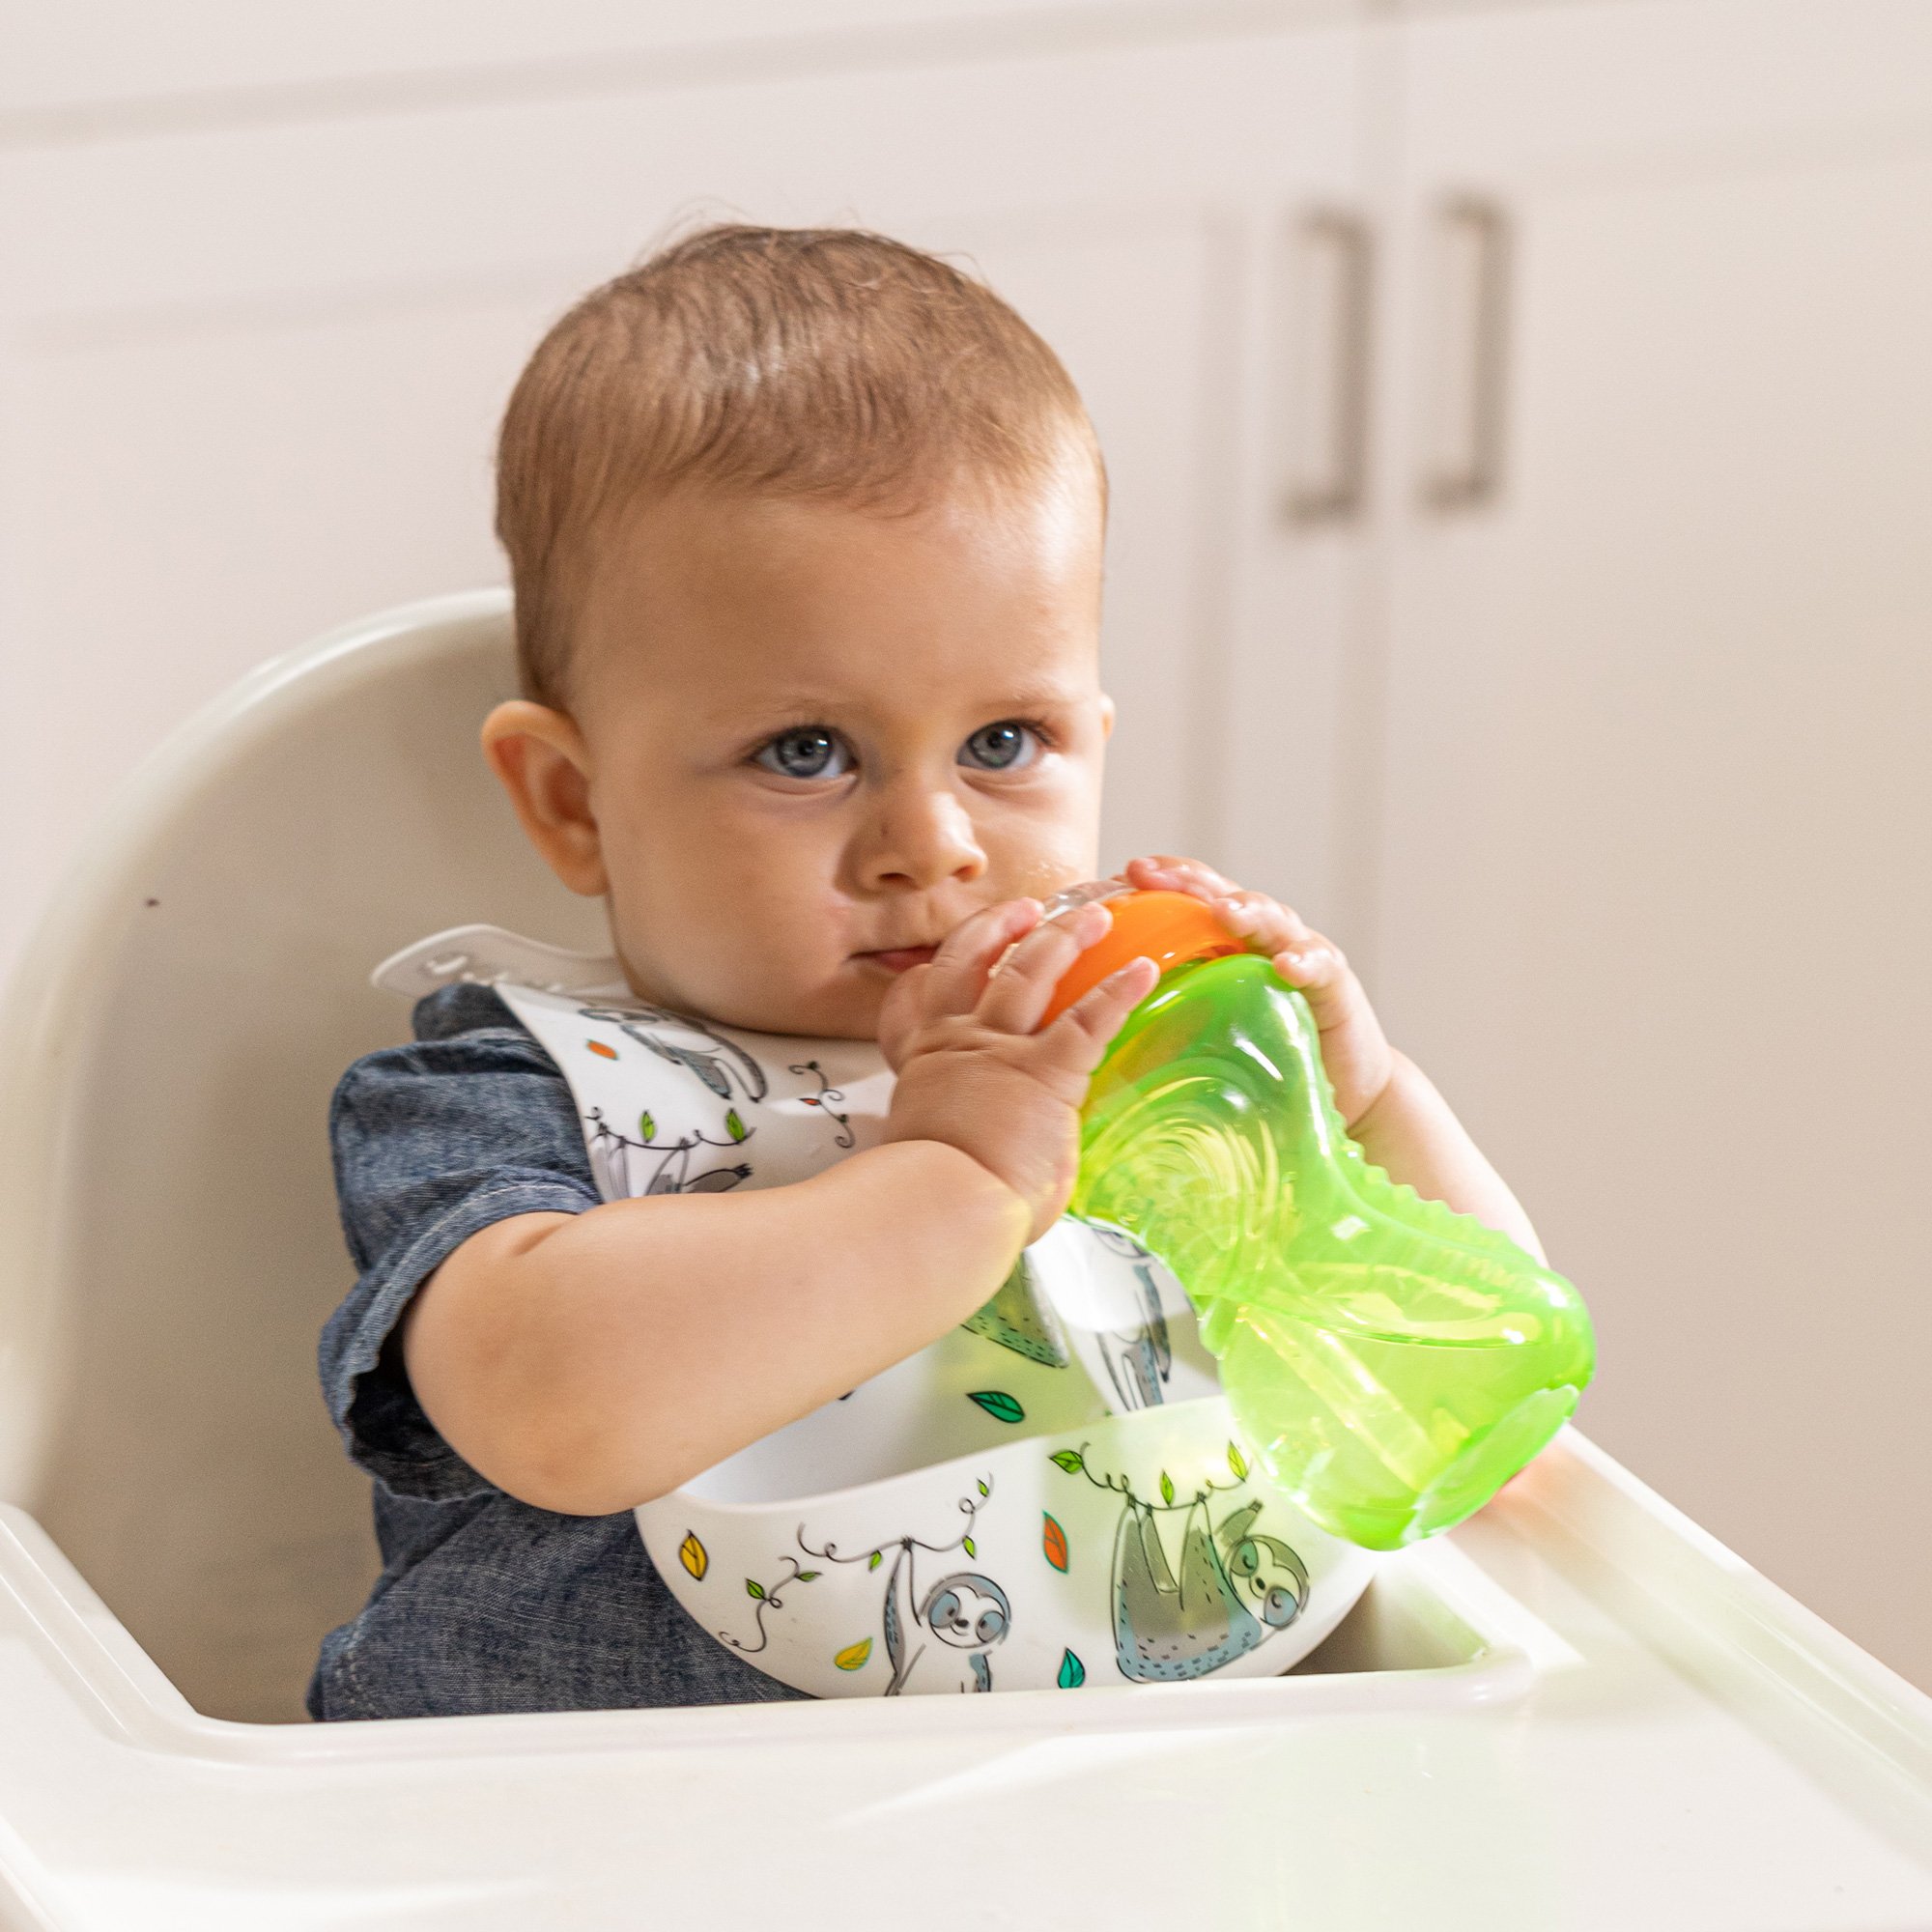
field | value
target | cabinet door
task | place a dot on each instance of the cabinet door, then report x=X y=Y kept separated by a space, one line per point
x=1658 y=762
x=260 y=401
x=79 y=70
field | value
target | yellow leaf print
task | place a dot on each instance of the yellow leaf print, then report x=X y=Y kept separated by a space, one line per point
x=854 y=1655
x=693 y=1556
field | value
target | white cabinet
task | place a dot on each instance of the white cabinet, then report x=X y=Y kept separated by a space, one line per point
x=256 y=398
x=106 y=65
x=1657 y=775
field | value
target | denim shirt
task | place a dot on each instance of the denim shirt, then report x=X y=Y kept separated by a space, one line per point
x=484 y=1602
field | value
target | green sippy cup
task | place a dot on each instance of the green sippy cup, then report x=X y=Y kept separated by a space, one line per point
x=1391 y=1362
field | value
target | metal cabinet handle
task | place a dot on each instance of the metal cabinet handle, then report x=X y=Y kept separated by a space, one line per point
x=1473 y=261
x=1327 y=267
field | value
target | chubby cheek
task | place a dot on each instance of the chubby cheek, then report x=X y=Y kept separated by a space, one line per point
x=1040 y=874
x=731 y=922
x=1036 y=857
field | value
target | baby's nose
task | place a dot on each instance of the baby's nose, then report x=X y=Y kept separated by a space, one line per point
x=920 y=839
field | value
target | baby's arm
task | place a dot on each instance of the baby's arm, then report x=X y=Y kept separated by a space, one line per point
x=589 y=1362
x=1386 y=1101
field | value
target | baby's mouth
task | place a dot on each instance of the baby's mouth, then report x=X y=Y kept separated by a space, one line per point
x=898 y=958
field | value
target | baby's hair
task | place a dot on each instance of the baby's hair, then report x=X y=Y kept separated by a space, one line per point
x=810 y=362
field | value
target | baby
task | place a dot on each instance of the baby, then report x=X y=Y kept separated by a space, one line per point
x=806 y=530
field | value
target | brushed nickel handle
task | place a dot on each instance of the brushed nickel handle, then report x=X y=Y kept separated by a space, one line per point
x=1472 y=264
x=1329 y=268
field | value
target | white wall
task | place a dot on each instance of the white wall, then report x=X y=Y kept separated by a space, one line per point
x=262 y=303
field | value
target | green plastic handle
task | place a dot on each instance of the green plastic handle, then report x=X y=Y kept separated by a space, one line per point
x=1392 y=1363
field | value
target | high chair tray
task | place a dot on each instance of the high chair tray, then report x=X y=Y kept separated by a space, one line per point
x=1575 y=1711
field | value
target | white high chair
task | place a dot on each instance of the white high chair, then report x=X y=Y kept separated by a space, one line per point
x=1576 y=1709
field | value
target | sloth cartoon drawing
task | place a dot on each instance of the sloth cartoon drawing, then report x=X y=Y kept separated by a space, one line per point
x=1139 y=1359
x=939 y=1636
x=1235 y=1588
x=689 y=1043
x=941 y=1640
x=1018 y=1318
x=1265 y=1567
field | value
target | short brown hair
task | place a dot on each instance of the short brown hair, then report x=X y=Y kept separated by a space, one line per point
x=821 y=362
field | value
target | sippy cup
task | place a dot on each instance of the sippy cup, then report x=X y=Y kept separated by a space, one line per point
x=1391 y=1362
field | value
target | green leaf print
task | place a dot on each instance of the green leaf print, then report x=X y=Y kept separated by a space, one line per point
x=733 y=1125
x=1238 y=1463
x=754 y=1590
x=1166 y=1487
x=1069 y=1459
x=647 y=1129
x=1072 y=1672
x=999 y=1405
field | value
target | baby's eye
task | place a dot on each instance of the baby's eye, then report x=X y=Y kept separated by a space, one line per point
x=810 y=752
x=1003 y=746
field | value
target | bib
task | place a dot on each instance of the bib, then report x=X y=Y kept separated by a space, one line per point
x=1085 y=1361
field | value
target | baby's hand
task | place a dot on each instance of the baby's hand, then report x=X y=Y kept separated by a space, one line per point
x=1355 y=1050
x=972 y=1071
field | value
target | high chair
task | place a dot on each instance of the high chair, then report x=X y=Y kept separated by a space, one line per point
x=1576 y=1709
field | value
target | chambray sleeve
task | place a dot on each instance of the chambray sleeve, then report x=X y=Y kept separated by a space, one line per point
x=471 y=1124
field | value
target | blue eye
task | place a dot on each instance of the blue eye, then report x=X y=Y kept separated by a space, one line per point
x=1005 y=746
x=1279 y=1607
x=810 y=752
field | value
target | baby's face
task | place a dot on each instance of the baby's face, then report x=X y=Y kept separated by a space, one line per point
x=816 y=738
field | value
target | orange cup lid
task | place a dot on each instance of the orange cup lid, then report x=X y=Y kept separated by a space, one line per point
x=1170 y=928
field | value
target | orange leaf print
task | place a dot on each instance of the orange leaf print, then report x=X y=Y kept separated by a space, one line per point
x=597 y=1046
x=691 y=1554
x=1053 y=1540
x=854 y=1653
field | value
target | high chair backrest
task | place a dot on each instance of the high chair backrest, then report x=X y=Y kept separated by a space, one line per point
x=168 y=1241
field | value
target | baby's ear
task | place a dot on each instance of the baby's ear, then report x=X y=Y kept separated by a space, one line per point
x=538 y=755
